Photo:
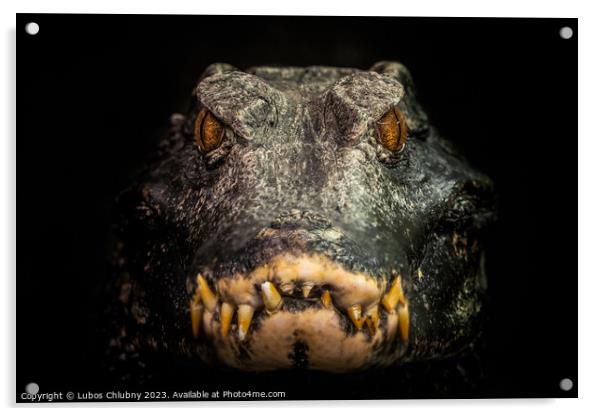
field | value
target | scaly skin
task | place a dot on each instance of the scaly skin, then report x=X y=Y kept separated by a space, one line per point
x=301 y=194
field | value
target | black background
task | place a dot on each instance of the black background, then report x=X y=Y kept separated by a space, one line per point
x=95 y=94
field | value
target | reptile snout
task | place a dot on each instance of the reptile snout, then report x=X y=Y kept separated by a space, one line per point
x=300 y=306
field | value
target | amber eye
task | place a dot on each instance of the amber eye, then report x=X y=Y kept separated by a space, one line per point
x=393 y=130
x=208 y=131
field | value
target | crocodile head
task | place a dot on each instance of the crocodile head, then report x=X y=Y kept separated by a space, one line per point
x=305 y=217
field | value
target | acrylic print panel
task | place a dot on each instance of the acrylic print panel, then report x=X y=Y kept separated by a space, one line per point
x=299 y=207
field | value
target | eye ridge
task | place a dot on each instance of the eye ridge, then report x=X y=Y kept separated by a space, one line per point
x=208 y=131
x=393 y=130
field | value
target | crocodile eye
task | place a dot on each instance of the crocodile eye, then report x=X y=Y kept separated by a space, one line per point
x=393 y=130
x=208 y=131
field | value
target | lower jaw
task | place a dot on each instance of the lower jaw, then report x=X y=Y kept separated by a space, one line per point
x=270 y=320
x=314 y=338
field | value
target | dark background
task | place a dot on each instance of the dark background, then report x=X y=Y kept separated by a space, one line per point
x=95 y=94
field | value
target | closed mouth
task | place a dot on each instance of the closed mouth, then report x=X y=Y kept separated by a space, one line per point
x=300 y=310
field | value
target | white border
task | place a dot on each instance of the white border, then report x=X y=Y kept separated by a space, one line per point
x=590 y=218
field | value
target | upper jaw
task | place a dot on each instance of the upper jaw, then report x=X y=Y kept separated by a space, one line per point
x=302 y=274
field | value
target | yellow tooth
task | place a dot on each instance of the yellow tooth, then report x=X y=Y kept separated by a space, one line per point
x=404 y=321
x=226 y=317
x=373 y=319
x=205 y=293
x=326 y=299
x=287 y=288
x=196 y=311
x=307 y=288
x=391 y=298
x=402 y=296
x=271 y=298
x=244 y=316
x=355 y=314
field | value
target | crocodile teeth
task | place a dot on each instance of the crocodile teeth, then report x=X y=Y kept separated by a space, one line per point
x=205 y=293
x=355 y=314
x=271 y=297
x=373 y=319
x=326 y=299
x=226 y=317
x=391 y=298
x=196 y=311
x=306 y=288
x=244 y=316
x=404 y=321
